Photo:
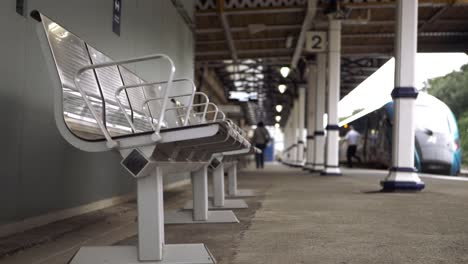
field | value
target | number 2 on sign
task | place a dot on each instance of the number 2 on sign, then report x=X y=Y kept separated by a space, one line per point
x=316 y=41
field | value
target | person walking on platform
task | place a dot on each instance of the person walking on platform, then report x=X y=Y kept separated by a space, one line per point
x=352 y=137
x=260 y=138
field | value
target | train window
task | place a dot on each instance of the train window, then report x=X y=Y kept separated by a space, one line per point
x=431 y=118
x=452 y=122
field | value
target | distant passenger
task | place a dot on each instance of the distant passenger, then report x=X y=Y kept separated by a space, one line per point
x=260 y=138
x=352 y=137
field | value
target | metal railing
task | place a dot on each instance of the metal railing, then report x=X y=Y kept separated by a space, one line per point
x=110 y=142
x=146 y=102
x=187 y=107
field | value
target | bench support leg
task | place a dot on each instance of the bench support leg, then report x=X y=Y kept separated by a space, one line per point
x=218 y=186
x=233 y=192
x=151 y=248
x=200 y=194
x=150 y=216
x=232 y=177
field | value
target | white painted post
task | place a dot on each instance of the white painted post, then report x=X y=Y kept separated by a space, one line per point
x=200 y=194
x=311 y=93
x=218 y=185
x=286 y=141
x=290 y=136
x=232 y=177
x=296 y=129
x=334 y=57
x=150 y=216
x=300 y=126
x=293 y=151
x=402 y=175
x=319 y=134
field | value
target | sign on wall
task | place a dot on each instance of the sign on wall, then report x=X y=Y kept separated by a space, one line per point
x=21 y=7
x=116 y=16
x=316 y=41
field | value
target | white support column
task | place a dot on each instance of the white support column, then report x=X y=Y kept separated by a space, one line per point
x=200 y=194
x=232 y=178
x=218 y=185
x=300 y=126
x=311 y=94
x=284 y=157
x=402 y=175
x=291 y=136
x=319 y=134
x=150 y=216
x=334 y=57
x=294 y=133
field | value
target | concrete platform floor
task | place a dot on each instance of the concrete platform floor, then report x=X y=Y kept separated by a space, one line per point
x=298 y=218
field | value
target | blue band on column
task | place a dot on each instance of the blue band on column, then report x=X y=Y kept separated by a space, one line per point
x=404 y=92
x=403 y=169
x=332 y=127
x=319 y=133
x=392 y=185
x=310 y=137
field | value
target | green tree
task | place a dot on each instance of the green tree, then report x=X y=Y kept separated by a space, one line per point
x=463 y=128
x=452 y=89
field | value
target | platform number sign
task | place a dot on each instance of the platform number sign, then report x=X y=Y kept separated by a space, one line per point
x=116 y=16
x=316 y=41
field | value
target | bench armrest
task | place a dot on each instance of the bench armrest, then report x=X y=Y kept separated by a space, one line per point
x=133 y=86
x=110 y=142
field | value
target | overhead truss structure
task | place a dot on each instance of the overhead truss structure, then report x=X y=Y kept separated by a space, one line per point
x=246 y=42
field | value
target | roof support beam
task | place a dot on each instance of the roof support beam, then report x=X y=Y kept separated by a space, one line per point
x=421 y=3
x=345 y=36
x=215 y=85
x=311 y=11
x=246 y=29
x=247 y=51
x=320 y=25
x=245 y=40
x=253 y=11
x=227 y=31
x=434 y=17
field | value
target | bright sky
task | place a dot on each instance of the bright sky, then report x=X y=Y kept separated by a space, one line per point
x=375 y=91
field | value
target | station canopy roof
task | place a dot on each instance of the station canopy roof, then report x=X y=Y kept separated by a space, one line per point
x=246 y=42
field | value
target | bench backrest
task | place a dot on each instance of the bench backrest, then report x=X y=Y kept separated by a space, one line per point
x=71 y=53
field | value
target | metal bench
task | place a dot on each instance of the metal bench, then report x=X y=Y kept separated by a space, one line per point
x=220 y=162
x=197 y=211
x=231 y=161
x=101 y=105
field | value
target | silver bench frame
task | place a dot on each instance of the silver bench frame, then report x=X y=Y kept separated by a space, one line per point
x=151 y=247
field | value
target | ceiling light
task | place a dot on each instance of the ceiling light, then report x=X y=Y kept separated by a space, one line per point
x=279 y=108
x=277 y=125
x=282 y=88
x=278 y=118
x=284 y=71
